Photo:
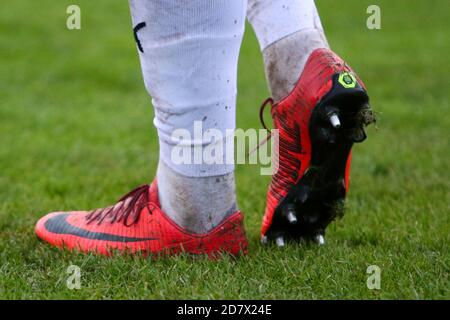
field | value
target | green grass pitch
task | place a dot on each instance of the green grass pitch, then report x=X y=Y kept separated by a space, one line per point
x=76 y=133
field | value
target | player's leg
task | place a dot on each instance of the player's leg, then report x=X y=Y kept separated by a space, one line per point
x=188 y=52
x=288 y=31
x=320 y=109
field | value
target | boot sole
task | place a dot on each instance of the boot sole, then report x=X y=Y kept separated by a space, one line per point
x=319 y=196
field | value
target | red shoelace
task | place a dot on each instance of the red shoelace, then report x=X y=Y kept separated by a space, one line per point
x=261 y=118
x=128 y=207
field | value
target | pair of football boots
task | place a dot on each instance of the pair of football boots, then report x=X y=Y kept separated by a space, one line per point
x=317 y=124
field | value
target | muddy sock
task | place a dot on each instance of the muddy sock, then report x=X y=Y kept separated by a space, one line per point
x=287 y=31
x=197 y=204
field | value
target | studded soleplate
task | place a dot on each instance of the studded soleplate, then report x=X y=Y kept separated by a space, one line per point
x=319 y=196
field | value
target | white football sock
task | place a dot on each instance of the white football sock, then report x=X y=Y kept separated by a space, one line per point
x=287 y=31
x=189 y=52
x=196 y=203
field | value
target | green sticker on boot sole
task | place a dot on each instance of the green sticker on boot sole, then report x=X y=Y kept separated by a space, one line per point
x=347 y=80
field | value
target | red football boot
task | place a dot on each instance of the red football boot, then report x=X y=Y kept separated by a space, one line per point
x=137 y=224
x=318 y=123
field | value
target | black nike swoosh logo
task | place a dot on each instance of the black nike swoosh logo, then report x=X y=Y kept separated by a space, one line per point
x=59 y=225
